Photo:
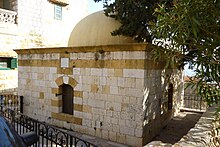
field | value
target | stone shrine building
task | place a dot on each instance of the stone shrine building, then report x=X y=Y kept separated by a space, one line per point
x=104 y=86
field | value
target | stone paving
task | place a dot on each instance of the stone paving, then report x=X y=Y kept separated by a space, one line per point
x=176 y=129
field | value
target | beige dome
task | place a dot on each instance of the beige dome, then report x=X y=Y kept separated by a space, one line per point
x=95 y=30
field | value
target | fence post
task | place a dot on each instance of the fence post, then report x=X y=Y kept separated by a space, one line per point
x=1 y=102
x=21 y=103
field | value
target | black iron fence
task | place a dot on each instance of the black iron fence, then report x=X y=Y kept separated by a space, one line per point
x=49 y=136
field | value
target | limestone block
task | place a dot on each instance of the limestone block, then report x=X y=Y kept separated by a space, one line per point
x=107 y=119
x=110 y=72
x=130 y=123
x=114 y=121
x=127 y=130
x=116 y=128
x=117 y=106
x=133 y=73
x=64 y=62
x=103 y=80
x=108 y=55
x=86 y=88
x=110 y=106
x=112 y=136
x=87 y=116
x=105 y=134
x=96 y=103
x=134 y=55
x=139 y=83
x=118 y=55
x=111 y=98
x=81 y=56
x=78 y=100
x=104 y=72
x=134 y=92
x=121 y=82
x=78 y=114
x=35 y=94
x=118 y=72
x=134 y=141
x=139 y=55
x=120 y=138
x=130 y=82
x=118 y=98
x=113 y=90
x=98 y=111
x=103 y=97
x=96 y=72
x=90 y=56
x=122 y=122
x=112 y=81
x=109 y=113
x=98 y=132
x=55 y=56
x=73 y=56
x=87 y=71
x=76 y=71
x=128 y=116
x=53 y=70
x=116 y=115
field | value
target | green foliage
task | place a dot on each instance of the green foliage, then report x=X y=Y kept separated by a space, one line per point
x=191 y=28
x=134 y=16
x=186 y=31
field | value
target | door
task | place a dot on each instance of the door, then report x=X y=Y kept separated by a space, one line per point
x=67 y=98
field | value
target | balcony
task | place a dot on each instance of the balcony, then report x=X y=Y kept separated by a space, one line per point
x=7 y=16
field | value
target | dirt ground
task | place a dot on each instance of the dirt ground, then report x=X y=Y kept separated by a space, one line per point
x=178 y=127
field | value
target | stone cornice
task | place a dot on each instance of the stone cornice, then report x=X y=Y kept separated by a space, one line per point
x=84 y=49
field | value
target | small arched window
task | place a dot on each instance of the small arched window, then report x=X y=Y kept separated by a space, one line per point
x=67 y=99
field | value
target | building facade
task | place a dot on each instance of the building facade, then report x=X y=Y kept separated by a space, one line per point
x=34 y=23
x=100 y=85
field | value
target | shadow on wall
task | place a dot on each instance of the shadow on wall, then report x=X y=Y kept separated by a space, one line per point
x=160 y=100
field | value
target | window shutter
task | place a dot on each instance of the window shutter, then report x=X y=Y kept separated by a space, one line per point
x=57 y=12
x=14 y=63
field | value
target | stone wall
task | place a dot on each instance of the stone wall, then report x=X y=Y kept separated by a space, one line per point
x=205 y=133
x=117 y=90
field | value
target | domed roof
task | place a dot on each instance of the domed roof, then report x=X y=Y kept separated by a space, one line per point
x=95 y=30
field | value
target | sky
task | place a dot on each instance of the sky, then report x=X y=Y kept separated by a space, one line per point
x=94 y=7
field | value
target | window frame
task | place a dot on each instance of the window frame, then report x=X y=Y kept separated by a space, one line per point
x=58 y=12
x=11 y=63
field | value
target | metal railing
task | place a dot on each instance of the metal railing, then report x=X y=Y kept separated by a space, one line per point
x=7 y=16
x=11 y=101
x=49 y=135
x=193 y=101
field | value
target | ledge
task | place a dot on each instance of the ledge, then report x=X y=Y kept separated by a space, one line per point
x=60 y=2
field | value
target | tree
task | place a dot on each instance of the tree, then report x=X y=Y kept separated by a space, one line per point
x=134 y=15
x=187 y=31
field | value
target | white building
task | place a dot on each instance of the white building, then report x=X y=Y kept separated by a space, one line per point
x=34 y=23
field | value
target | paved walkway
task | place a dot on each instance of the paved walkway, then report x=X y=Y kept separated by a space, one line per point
x=178 y=127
